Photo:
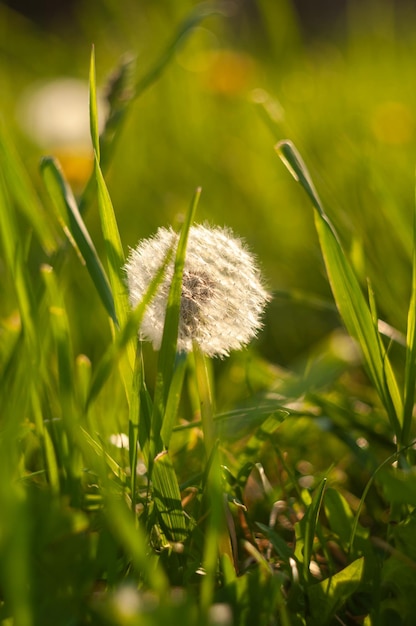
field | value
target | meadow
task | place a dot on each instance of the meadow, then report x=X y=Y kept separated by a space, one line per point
x=274 y=483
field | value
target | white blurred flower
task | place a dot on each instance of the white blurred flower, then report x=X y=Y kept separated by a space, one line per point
x=127 y=601
x=55 y=114
x=222 y=294
x=120 y=440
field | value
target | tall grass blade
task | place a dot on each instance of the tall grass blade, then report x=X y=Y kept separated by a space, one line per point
x=349 y=298
x=12 y=241
x=115 y=261
x=95 y=137
x=112 y=240
x=25 y=195
x=173 y=399
x=117 y=117
x=47 y=447
x=121 y=522
x=126 y=335
x=60 y=330
x=16 y=546
x=114 y=250
x=167 y=355
x=74 y=227
x=217 y=540
x=410 y=368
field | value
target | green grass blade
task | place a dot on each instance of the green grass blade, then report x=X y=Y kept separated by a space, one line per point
x=16 y=545
x=370 y=482
x=167 y=355
x=120 y=108
x=122 y=524
x=217 y=539
x=328 y=596
x=95 y=137
x=410 y=368
x=112 y=240
x=125 y=336
x=11 y=239
x=263 y=433
x=135 y=415
x=22 y=190
x=102 y=454
x=311 y=520
x=144 y=428
x=74 y=227
x=195 y=17
x=173 y=399
x=167 y=498
x=51 y=461
x=114 y=248
x=134 y=541
x=349 y=298
x=60 y=330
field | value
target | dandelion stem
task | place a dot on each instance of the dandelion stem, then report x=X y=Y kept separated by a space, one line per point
x=205 y=397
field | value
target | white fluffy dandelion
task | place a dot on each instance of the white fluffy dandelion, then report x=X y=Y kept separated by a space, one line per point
x=222 y=294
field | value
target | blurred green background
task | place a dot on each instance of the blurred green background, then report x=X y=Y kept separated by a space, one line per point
x=337 y=78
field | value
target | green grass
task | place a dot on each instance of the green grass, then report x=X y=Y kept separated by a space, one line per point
x=118 y=506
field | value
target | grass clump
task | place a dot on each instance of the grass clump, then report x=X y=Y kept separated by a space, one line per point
x=143 y=486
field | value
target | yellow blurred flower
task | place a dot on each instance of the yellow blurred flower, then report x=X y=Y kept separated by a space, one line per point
x=229 y=72
x=393 y=123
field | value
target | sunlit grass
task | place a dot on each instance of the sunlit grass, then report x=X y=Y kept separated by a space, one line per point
x=275 y=486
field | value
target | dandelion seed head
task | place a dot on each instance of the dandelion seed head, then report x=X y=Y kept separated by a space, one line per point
x=222 y=297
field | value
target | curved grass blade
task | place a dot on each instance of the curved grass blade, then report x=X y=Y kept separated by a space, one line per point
x=73 y=225
x=348 y=296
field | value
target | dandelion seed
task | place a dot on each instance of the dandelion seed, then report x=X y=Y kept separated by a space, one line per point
x=222 y=294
